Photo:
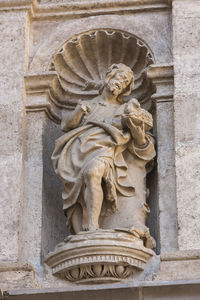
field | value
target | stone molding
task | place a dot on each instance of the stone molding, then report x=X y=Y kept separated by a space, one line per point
x=162 y=77
x=7 y=267
x=137 y=290
x=181 y=255
x=39 y=82
x=82 y=9
x=18 y=5
x=86 y=8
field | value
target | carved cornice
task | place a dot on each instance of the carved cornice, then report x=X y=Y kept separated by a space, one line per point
x=162 y=77
x=15 y=3
x=9 y=267
x=39 y=82
x=18 y=5
x=181 y=255
x=89 y=8
x=73 y=9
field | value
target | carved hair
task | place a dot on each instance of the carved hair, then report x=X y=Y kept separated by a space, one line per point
x=121 y=68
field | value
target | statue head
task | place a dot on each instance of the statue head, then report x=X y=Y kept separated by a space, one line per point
x=120 y=81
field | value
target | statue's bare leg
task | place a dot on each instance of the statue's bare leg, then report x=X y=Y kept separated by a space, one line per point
x=76 y=219
x=84 y=216
x=93 y=192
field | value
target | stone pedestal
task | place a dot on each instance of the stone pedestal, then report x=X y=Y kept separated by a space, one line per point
x=100 y=256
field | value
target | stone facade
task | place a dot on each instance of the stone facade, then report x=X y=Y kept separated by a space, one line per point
x=32 y=220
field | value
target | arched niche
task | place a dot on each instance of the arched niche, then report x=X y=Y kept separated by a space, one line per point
x=156 y=34
x=109 y=46
x=80 y=64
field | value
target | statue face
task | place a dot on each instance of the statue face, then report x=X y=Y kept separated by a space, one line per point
x=119 y=82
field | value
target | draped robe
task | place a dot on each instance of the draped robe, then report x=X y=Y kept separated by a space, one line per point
x=100 y=136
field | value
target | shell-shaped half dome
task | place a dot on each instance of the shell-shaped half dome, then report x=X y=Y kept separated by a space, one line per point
x=82 y=62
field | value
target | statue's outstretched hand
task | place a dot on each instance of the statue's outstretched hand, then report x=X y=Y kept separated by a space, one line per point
x=137 y=132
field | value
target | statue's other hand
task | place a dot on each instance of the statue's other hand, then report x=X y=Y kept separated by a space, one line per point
x=137 y=132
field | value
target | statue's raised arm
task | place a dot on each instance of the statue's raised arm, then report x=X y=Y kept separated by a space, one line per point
x=72 y=119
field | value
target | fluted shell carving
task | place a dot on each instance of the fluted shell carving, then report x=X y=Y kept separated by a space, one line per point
x=81 y=64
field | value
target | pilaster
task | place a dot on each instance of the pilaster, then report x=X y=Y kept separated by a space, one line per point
x=162 y=78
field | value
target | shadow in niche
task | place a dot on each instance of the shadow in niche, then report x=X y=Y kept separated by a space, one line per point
x=152 y=201
x=54 y=228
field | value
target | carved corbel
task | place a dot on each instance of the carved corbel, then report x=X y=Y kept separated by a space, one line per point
x=37 y=91
x=162 y=77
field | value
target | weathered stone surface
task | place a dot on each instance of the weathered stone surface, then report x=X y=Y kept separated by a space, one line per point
x=186 y=119
x=187 y=170
x=174 y=265
x=16 y=280
x=12 y=48
x=31 y=215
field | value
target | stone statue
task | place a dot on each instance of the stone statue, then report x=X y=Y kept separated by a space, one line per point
x=102 y=158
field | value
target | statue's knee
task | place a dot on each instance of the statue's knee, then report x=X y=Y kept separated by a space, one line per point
x=89 y=174
x=93 y=171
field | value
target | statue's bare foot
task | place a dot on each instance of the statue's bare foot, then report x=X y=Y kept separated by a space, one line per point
x=85 y=227
x=92 y=227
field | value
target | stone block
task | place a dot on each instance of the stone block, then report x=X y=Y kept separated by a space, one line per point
x=16 y=279
x=187 y=127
